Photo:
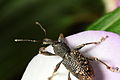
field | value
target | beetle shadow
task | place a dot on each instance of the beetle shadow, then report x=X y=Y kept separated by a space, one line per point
x=97 y=71
x=96 y=67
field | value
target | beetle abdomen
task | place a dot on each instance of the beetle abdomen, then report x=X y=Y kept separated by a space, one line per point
x=78 y=65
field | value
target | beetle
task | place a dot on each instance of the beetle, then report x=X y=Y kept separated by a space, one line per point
x=74 y=61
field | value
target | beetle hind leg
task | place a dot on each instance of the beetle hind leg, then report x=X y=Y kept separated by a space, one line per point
x=116 y=69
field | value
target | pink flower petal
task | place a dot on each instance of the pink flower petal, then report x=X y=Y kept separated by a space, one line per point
x=117 y=3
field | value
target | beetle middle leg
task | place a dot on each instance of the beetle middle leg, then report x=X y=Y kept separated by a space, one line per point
x=82 y=45
x=69 y=78
x=42 y=51
x=55 y=70
x=116 y=69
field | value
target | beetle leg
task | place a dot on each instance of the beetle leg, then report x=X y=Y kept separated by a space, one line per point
x=42 y=51
x=55 y=70
x=82 y=45
x=69 y=78
x=61 y=38
x=116 y=69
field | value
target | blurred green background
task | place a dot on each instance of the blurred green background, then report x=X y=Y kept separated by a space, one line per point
x=17 y=20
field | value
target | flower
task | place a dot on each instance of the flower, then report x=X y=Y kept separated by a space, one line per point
x=41 y=67
x=110 y=5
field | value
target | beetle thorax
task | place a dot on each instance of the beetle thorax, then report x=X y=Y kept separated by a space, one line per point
x=60 y=49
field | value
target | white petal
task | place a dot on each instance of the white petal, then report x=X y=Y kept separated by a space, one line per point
x=41 y=67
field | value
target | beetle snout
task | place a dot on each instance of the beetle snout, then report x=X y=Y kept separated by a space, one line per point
x=47 y=41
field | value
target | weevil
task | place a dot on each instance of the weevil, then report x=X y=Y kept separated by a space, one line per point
x=74 y=61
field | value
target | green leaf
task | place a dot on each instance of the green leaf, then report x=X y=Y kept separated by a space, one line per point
x=109 y=22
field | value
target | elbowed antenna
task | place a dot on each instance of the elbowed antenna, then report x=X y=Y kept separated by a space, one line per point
x=41 y=27
x=25 y=40
x=29 y=40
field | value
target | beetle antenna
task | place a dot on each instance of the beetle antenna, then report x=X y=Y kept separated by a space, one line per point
x=29 y=40
x=25 y=40
x=41 y=27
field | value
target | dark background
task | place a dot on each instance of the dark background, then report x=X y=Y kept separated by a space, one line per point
x=17 y=20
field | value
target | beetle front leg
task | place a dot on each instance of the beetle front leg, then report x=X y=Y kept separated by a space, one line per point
x=116 y=69
x=55 y=70
x=42 y=51
x=61 y=38
x=82 y=45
